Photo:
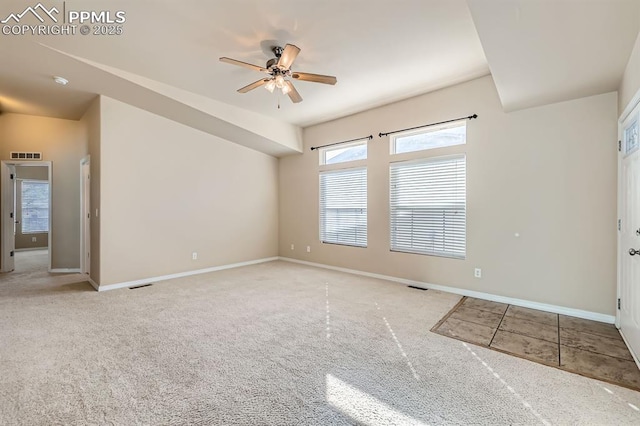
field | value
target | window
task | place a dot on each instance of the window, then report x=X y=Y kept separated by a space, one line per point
x=433 y=137
x=35 y=206
x=631 y=137
x=343 y=207
x=345 y=152
x=428 y=206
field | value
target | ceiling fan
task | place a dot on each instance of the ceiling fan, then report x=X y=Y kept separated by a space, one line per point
x=278 y=69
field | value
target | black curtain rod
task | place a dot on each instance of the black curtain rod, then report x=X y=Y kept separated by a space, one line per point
x=471 y=117
x=338 y=143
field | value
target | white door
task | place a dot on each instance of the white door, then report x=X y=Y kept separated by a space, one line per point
x=629 y=238
x=8 y=220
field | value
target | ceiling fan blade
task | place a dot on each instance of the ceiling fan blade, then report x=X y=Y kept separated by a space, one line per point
x=243 y=64
x=293 y=93
x=288 y=56
x=253 y=85
x=316 y=78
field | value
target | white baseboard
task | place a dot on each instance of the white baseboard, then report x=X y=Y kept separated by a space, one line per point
x=65 y=270
x=93 y=283
x=179 y=275
x=595 y=316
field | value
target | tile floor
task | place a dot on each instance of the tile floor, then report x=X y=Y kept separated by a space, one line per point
x=581 y=346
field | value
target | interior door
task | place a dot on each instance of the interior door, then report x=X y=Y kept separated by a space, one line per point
x=8 y=220
x=629 y=238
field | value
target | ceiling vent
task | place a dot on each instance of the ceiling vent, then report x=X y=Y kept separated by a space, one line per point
x=33 y=156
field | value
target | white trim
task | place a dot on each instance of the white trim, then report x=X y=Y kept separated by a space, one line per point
x=49 y=166
x=65 y=271
x=635 y=358
x=31 y=248
x=610 y=319
x=630 y=106
x=93 y=284
x=181 y=274
x=85 y=261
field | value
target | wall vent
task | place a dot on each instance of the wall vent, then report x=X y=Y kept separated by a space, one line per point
x=141 y=286
x=33 y=156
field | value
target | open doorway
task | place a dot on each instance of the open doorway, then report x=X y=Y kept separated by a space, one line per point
x=25 y=203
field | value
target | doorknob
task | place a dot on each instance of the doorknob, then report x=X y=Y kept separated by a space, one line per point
x=633 y=252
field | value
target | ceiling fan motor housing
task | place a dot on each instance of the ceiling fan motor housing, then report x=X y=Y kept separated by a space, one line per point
x=271 y=63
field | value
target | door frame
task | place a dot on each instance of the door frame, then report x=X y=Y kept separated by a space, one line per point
x=49 y=166
x=85 y=213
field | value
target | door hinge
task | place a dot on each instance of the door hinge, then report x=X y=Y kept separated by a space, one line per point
x=618 y=303
x=619 y=146
x=619 y=225
x=11 y=176
x=11 y=253
x=11 y=215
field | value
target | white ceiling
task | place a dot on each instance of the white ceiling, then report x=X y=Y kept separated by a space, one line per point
x=538 y=51
x=545 y=51
x=380 y=51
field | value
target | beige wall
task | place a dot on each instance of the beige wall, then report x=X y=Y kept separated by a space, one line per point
x=25 y=241
x=63 y=143
x=91 y=123
x=547 y=173
x=167 y=190
x=630 y=83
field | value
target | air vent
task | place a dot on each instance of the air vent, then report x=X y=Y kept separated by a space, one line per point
x=33 y=156
x=417 y=288
x=140 y=286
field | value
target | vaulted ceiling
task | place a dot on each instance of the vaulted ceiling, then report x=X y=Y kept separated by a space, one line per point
x=381 y=51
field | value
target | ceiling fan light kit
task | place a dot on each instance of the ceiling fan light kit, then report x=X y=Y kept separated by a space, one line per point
x=279 y=69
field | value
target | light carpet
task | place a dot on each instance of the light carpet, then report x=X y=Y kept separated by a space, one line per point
x=274 y=343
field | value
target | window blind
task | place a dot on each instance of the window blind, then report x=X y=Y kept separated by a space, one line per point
x=428 y=206
x=343 y=207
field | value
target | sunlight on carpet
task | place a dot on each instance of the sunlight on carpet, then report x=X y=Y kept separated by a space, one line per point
x=363 y=407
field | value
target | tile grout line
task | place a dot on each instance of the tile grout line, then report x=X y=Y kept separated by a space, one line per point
x=498 y=327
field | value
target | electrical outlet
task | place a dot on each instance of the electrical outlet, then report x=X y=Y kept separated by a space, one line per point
x=34 y=239
x=194 y=256
x=308 y=249
x=477 y=273
x=292 y=246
